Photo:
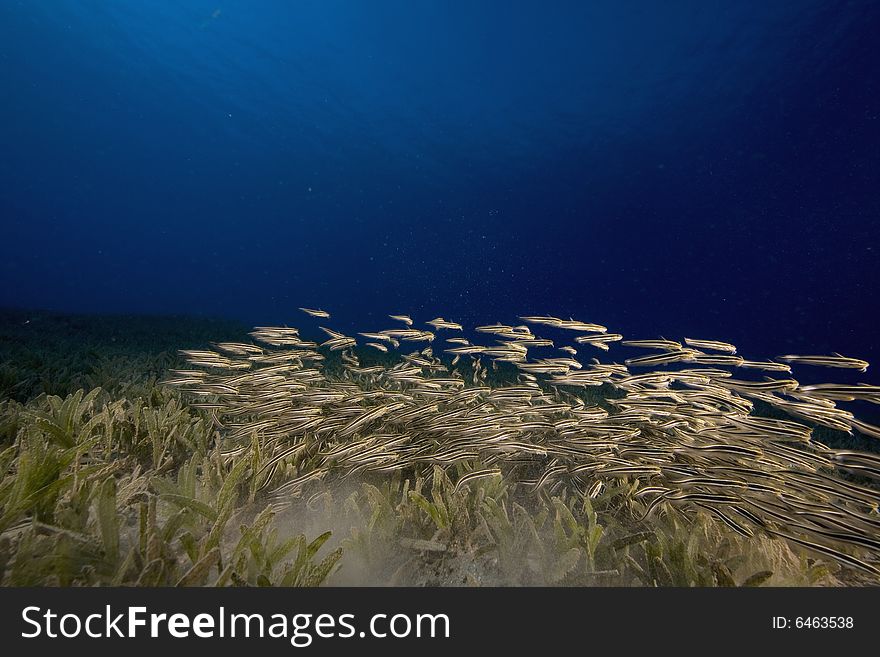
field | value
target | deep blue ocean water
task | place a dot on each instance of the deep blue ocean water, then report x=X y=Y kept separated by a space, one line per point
x=709 y=169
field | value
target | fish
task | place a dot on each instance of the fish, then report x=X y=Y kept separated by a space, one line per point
x=316 y=313
x=716 y=359
x=661 y=344
x=570 y=324
x=865 y=427
x=599 y=339
x=406 y=319
x=842 y=392
x=468 y=350
x=476 y=474
x=835 y=360
x=498 y=329
x=713 y=345
x=768 y=365
x=658 y=359
x=739 y=528
x=681 y=439
x=402 y=333
x=419 y=336
x=568 y=362
x=838 y=555
x=767 y=384
x=336 y=344
x=575 y=325
x=331 y=332
x=377 y=336
x=775 y=428
x=542 y=319
x=440 y=323
x=238 y=348
x=531 y=342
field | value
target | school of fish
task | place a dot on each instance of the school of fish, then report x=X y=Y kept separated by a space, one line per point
x=681 y=432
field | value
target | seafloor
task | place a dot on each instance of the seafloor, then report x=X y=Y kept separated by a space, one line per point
x=111 y=478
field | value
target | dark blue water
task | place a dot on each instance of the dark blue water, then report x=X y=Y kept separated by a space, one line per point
x=687 y=168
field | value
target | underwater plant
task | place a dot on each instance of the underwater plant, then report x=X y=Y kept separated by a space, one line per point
x=678 y=440
x=481 y=472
